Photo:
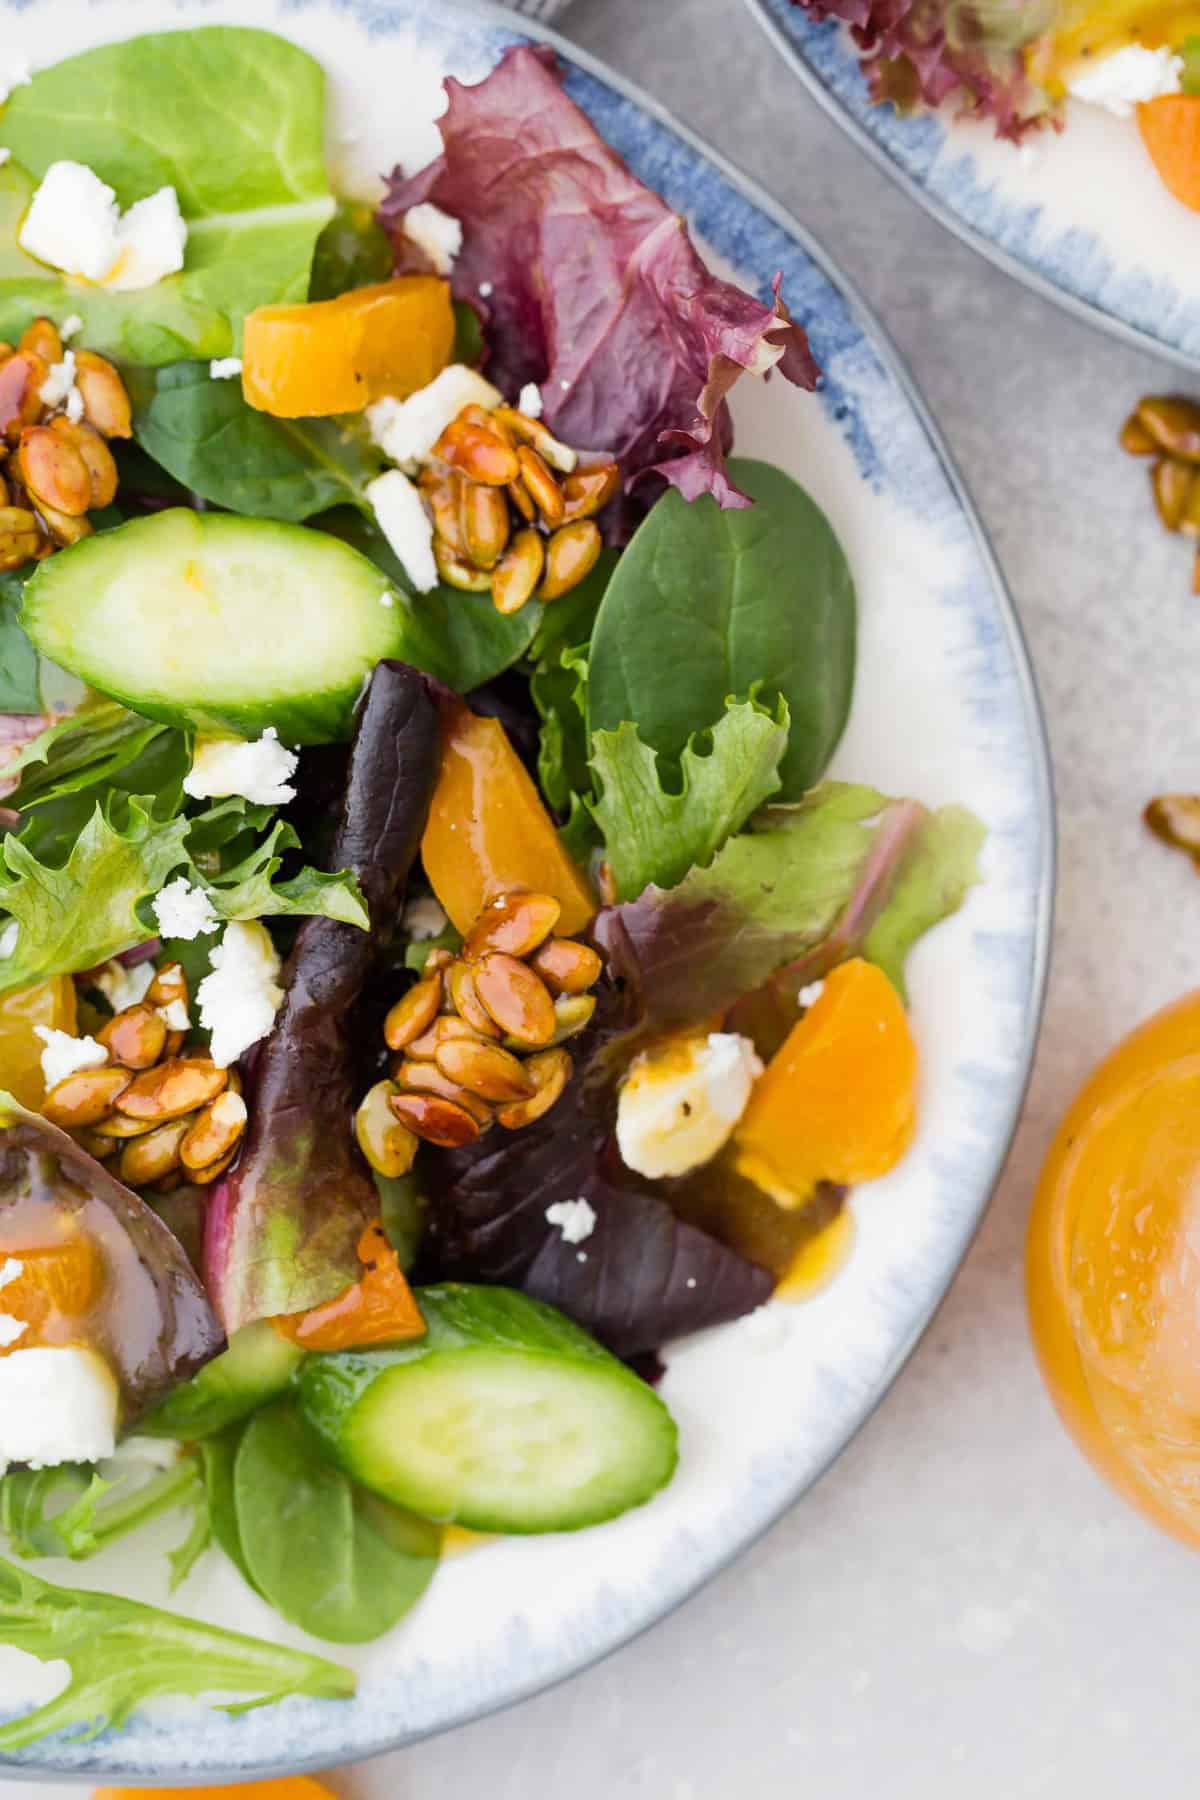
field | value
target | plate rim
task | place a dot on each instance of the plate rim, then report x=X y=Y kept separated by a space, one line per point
x=1086 y=312
x=874 y=332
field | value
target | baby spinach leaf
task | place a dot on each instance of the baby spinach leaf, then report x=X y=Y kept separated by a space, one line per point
x=20 y=687
x=121 y=1654
x=233 y=119
x=652 y=835
x=706 y=603
x=333 y=1559
x=458 y=638
x=353 y=251
x=203 y=433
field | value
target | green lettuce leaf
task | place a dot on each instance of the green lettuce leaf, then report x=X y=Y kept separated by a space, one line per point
x=559 y=689
x=233 y=119
x=652 y=835
x=845 y=872
x=74 y=1511
x=205 y=435
x=121 y=1654
x=97 y=903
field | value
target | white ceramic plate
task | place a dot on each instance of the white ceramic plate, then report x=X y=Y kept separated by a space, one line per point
x=945 y=709
x=1079 y=216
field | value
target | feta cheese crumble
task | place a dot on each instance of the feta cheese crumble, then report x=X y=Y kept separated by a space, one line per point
x=808 y=996
x=424 y=919
x=435 y=232
x=59 y=382
x=175 y=1015
x=406 y=525
x=224 y=368
x=74 y=224
x=529 y=400
x=678 y=1104
x=57 y=1404
x=183 y=911
x=10 y=1270
x=71 y=327
x=65 y=1055
x=15 y=71
x=407 y=430
x=486 y=290
x=8 y=937
x=239 y=999
x=575 y=1219
x=1129 y=76
x=11 y=1329
x=123 y=986
x=259 y=770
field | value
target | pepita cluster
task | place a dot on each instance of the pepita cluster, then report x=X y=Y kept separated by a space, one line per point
x=479 y=1038
x=512 y=507
x=165 y=1116
x=1167 y=427
x=58 y=408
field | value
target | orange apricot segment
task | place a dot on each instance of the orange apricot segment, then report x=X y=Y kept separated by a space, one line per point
x=335 y=356
x=837 y=1101
x=1170 y=128
x=489 y=832
x=288 y=1787
x=378 y=1309
x=49 y=1003
x=58 y=1280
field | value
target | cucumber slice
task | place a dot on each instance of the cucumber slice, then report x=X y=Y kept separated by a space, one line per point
x=505 y=1417
x=257 y=1366
x=217 y=622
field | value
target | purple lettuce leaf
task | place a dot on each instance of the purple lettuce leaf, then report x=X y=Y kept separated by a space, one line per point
x=914 y=53
x=282 y=1230
x=163 y=1328
x=593 y=286
x=641 y=1278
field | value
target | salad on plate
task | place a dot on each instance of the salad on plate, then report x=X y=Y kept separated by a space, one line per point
x=436 y=972
x=1019 y=63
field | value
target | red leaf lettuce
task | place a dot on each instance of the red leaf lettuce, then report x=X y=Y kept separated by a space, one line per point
x=593 y=287
x=282 y=1230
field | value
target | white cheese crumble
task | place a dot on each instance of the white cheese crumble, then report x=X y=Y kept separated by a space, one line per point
x=71 y=327
x=15 y=71
x=65 y=1055
x=224 y=368
x=406 y=525
x=10 y=1270
x=486 y=290
x=239 y=999
x=59 y=388
x=407 y=430
x=435 y=232
x=174 y=1015
x=8 y=937
x=75 y=224
x=679 y=1103
x=575 y=1219
x=5 y=153
x=259 y=770
x=529 y=400
x=11 y=1329
x=1129 y=76
x=808 y=996
x=123 y=986
x=57 y=1404
x=183 y=911
x=424 y=919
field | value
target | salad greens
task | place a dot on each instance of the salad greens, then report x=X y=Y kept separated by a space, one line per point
x=729 y=601
x=421 y=1084
x=121 y=1654
x=234 y=120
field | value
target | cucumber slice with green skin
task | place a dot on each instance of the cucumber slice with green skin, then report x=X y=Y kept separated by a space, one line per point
x=257 y=1366
x=217 y=622
x=505 y=1417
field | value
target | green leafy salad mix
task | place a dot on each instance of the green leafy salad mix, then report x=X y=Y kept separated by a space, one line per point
x=424 y=909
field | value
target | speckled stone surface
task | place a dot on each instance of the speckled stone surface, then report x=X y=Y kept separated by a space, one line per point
x=960 y=1608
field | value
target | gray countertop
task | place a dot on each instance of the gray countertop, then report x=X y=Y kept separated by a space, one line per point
x=960 y=1607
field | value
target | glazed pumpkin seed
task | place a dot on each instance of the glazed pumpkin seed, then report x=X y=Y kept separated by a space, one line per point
x=484 y=523
x=456 y=572
x=516 y=923
x=53 y=470
x=388 y=1145
x=214 y=1131
x=484 y=1069
x=21 y=378
x=135 y=1037
x=1171 y=483
x=1135 y=439
x=532 y=431
x=427 y=1078
x=42 y=338
x=573 y=1013
x=570 y=555
x=413 y=1013
x=551 y=1070
x=436 y=1120
x=84 y=1097
x=64 y=528
x=588 y=489
x=97 y=457
x=515 y=997
x=464 y=998
x=567 y=966
x=481 y=453
x=105 y=401
x=172 y=1088
x=541 y=486
x=155 y=1154
x=516 y=575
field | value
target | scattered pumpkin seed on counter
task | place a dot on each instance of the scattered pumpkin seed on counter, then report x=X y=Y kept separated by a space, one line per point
x=57 y=409
x=478 y=1038
x=1167 y=428
x=512 y=507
